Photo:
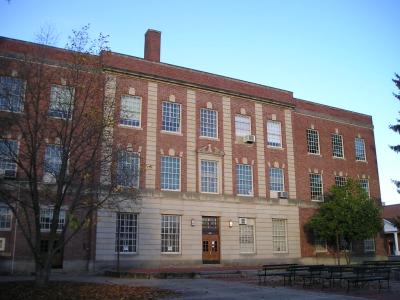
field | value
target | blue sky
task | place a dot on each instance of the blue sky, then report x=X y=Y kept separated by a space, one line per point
x=339 y=53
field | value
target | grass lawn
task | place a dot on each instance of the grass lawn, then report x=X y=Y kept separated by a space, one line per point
x=60 y=290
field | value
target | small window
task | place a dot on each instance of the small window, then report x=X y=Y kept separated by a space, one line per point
x=208 y=123
x=340 y=181
x=276 y=180
x=320 y=243
x=244 y=180
x=5 y=218
x=360 y=149
x=247 y=236
x=312 y=141
x=337 y=146
x=170 y=233
x=170 y=173
x=274 y=134
x=46 y=217
x=128 y=169
x=279 y=235
x=242 y=125
x=316 y=187
x=11 y=94
x=209 y=176
x=52 y=163
x=8 y=155
x=364 y=183
x=61 y=101
x=171 y=117
x=126 y=233
x=369 y=245
x=131 y=107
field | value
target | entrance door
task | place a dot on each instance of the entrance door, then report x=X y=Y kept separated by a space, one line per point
x=211 y=244
x=57 y=261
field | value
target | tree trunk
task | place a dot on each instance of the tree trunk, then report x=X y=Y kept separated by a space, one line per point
x=42 y=274
x=337 y=249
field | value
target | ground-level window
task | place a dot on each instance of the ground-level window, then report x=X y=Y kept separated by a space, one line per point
x=247 y=235
x=369 y=245
x=5 y=218
x=320 y=243
x=316 y=187
x=46 y=217
x=170 y=233
x=126 y=233
x=279 y=235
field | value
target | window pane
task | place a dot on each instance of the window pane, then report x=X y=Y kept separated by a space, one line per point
x=130 y=111
x=312 y=141
x=244 y=180
x=337 y=145
x=242 y=125
x=316 y=187
x=170 y=173
x=279 y=239
x=340 y=181
x=171 y=117
x=5 y=218
x=209 y=176
x=52 y=161
x=8 y=153
x=128 y=169
x=360 y=149
x=11 y=94
x=369 y=245
x=365 y=185
x=46 y=217
x=126 y=226
x=61 y=101
x=276 y=180
x=208 y=123
x=170 y=233
x=274 y=135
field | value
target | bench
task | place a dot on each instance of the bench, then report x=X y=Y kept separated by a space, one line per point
x=309 y=274
x=363 y=275
x=336 y=273
x=279 y=270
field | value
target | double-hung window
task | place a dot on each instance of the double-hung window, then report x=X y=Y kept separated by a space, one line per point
x=170 y=173
x=316 y=187
x=276 y=180
x=364 y=183
x=337 y=146
x=8 y=154
x=359 y=149
x=61 y=101
x=244 y=180
x=126 y=233
x=5 y=218
x=274 y=134
x=312 y=141
x=208 y=123
x=11 y=94
x=131 y=107
x=171 y=117
x=209 y=176
x=279 y=235
x=170 y=233
x=247 y=236
x=320 y=244
x=52 y=163
x=340 y=181
x=128 y=169
x=242 y=125
x=369 y=245
x=46 y=217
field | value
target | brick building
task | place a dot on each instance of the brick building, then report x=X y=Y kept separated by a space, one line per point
x=229 y=171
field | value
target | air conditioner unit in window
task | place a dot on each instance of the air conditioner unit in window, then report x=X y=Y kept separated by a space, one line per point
x=249 y=139
x=2 y=244
x=242 y=221
x=283 y=195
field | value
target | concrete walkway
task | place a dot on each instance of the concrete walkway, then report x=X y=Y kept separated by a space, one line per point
x=193 y=289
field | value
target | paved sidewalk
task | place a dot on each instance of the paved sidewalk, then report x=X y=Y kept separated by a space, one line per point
x=196 y=289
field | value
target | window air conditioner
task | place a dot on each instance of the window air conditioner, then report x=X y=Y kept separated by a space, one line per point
x=249 y=139
x=242 y=221
x=283 y=195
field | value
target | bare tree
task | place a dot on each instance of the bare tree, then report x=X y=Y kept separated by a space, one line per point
x=56 y=129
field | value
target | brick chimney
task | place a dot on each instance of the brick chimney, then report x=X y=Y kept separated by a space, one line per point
x=152 y=45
